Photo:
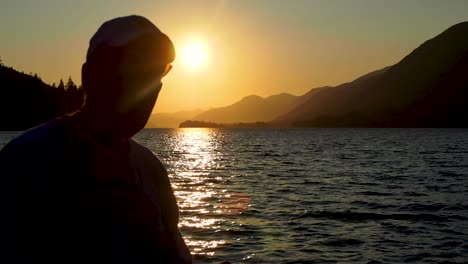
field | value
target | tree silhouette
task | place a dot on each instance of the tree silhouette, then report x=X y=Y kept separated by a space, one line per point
x=61 y=86
x=70 y=86
x=37 y=77
x=27 y=101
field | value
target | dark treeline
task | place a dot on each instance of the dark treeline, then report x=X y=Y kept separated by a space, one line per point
x=26 y=101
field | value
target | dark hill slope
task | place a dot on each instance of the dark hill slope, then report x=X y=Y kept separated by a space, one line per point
x=427 y=88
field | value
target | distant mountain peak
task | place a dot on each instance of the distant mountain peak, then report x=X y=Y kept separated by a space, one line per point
x=280 y=95
x=251 y=98
x=460 y=26
x=252 y=108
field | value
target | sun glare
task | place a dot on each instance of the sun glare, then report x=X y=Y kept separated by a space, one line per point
x=194 y=54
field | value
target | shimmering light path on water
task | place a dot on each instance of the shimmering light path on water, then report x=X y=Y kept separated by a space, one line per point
x=318 y=195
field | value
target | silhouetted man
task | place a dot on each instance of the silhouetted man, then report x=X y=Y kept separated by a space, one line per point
x=78 y=188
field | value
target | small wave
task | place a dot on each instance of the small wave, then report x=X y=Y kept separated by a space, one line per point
x=424 y=207
x=301 y=228
x=456 y=207
x=342 y=242
x=434 y=207
x=347 y=157
x=414 y=194
x=449 y=173
x=266 y=154
x=306 y=181
x=374 y=262
x=417 y=257
x=449 y=244
x=372 y=205
x=400 y=229
x=355 y=216
x=450 y=255
x=371 y=193
x=235 y=232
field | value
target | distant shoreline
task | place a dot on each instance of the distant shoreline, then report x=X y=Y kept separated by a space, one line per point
x=203 y=124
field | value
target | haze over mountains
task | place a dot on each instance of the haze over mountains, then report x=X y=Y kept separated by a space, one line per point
x=168 y=120
x=427 y=88
x=249 y=109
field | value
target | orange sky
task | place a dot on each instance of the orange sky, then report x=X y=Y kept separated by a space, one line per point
x=254 y=47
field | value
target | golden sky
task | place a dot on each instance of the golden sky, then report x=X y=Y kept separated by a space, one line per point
x=252 y=47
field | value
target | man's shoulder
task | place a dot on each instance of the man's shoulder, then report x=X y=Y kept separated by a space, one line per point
x=143 y=152
x=145 y=155
x=43 y=135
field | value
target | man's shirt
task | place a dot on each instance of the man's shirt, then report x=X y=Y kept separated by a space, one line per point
x=67 y=196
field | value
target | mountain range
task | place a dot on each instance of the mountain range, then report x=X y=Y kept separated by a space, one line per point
x=250 y=109
x=427 y=88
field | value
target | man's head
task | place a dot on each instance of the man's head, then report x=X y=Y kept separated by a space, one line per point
x=126 y=59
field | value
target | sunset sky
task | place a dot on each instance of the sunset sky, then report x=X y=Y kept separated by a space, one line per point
x=251 y=47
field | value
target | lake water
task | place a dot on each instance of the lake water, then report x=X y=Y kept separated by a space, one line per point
x=318 y=195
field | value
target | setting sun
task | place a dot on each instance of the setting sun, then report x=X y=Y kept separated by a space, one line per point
x=194 y=54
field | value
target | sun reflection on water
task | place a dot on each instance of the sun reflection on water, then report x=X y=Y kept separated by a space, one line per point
x=202 y=188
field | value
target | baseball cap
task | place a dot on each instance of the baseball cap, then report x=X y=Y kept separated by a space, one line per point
x=120 y=31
